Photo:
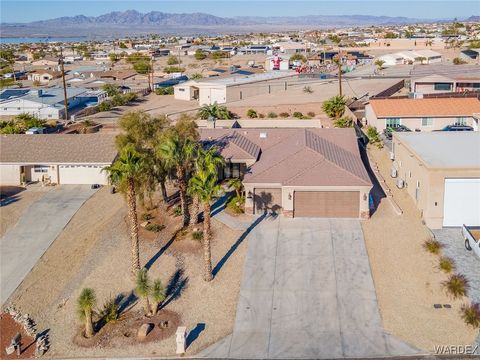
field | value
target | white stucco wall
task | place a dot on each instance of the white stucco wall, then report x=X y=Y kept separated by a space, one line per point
x=9 y=174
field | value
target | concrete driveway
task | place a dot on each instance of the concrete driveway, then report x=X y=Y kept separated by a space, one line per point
x=24 y=244
x=307 y=292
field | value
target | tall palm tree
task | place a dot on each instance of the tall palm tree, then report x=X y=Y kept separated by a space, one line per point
x=143 y=288
x=85 y=303
x=204 y=185
x=206 y=160
x=177 y=154
x=214 y=111
x=126 y=173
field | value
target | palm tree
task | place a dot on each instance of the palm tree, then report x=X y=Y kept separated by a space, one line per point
x=204 y=185
x=236 y=184
x=158 y=295
x=334 y=107
x=207 y=160
x=177 y=154
x=379 y=64
x=214 y=111
x=86 y=301
x=126 y=173
x=143 y=289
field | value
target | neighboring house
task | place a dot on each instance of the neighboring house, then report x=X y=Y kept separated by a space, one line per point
x=424 y=56
x=56 y=158
x=470 y=54
x=120 y=75
x=47 y=103
x=426 y=114
x=441 y=172
x=222 y=90
x=429 y=79
x=254 y=49
x=44 y=76
x=298 y=172
x=46 y=61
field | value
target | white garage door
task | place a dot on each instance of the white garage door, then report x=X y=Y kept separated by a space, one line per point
x=82 y=174
x=462 y=202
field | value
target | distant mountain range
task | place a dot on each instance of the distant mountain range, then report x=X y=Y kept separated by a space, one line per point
x=133 y=22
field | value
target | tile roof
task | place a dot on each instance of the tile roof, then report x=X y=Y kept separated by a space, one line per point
x=57 y=149
x=295 y=157
x=425 y=107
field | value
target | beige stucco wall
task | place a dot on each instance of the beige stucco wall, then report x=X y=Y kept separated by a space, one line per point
x=9 y=174
x=239 y=92
x=429 y=182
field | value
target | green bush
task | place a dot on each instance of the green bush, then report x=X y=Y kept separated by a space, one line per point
x=446 y=264
x=177 y=211
x=298 y=115
x=252 y=114
x=344 y=122
x=147 y=216
x=197 y=235
x=284 y=115
x=130 y=97
x=154 y=227
x=110 y=311
x=110 y=89
x=118 y=100
x=173 y=69
x=200 y=55
x=459 y=61
x=164 y=91
x=307 y=90
x=471 y=315
x=457 y=285
x=373 y=136
x=104 y=106
x=236 y=204
x=272 y=115
x=432 y=246
x=172 y=60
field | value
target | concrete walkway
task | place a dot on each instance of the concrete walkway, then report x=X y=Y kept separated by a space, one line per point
x=307 y=292
x=24 y=244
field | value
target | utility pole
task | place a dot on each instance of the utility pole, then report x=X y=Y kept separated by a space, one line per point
x=65 y=100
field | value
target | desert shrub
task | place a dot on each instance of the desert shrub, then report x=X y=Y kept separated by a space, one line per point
x=154 y=227
x=344 y=122
x=261 y=116
x=173 y=69
x=172 y=60
x=164 y=91
x=104 y=106
x=432 y=246
x=284 y=115
x=110 y=89
x=446 y=264
x=177 y=211
x=459 y=61
x=252 y=114
x=236 y=204
x=110 y=311
x=272 y=115
x=131 y=96
x=311 y=114
x=373 y=136
x=307 y=90
x=298 y=115
x=471 y=315
x=197 y=235
x=456 y=286
x=118 y=100
x=147 y=216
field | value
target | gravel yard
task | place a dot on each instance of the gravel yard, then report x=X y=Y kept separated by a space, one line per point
x=407 y=278
x=94 y=251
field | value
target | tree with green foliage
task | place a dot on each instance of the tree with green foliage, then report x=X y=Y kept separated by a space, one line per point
x=236 y=184
x=143 y=288
x=344 y=122
x=379 y=64
x=298 y=57
x=334 y=107
x=85 y=304
x=110 y=89
x=158 y=295
x=214 y=111
x=173 y=60
x=200 y=54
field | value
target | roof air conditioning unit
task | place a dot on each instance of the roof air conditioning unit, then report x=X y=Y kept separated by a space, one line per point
x=392 y=155
x=393 y=173
x=400 y=183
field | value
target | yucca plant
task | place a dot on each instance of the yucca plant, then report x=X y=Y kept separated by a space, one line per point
x=446 y=264
x=143 y=289
x=456 y=286
x=432 y=246
x=471 y=314
x=158 y=295
x=85 y=303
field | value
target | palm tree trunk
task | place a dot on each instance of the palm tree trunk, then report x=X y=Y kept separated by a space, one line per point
x=154 y=307
x=182 y=185
x=88 y=323
x=146 y=305
x=132 y=215
x=195 y=210
x=164 y=191
x=207 y=234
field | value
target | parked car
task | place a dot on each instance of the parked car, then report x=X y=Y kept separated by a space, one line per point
x=457 y=128
x=390 y=130
x=471 y=234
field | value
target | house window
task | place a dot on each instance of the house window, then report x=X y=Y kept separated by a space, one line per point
x=461 y=121
x=40 y=168
x=392 y=122
x=18 y=108
x=4 y=109
x=442 y=86
x=427 y=121
x=180 y=89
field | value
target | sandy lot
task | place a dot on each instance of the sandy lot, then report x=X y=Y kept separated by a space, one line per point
x=93 y=251
x=407 y=278
x=14 y=205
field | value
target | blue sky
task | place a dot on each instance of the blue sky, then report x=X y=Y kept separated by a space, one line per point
x=30 y=10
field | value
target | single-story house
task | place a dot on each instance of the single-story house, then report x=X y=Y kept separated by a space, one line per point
x=428 y=79
x=425 y=114
x=297 y=172
x=46 y=61
x=44 y=76
x=441 y=172
x=56 y=158
x=226 y=89
x=470 y=54
x=423 y=56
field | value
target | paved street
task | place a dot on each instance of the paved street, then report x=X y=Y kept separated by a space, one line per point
x=307 y=292
x=24 y=244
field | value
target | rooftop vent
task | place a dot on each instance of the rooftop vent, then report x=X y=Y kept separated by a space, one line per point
x=263 y=135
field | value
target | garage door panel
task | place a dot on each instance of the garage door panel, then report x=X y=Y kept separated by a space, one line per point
x=333 y=204
x=267 y=199
x=82 y=174
x=461 y=203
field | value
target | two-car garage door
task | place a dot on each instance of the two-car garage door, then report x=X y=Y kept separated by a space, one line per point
x=328 y=204
x=461 y=204
x=82 y=174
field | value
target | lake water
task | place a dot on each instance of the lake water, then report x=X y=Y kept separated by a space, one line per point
x=31 y=40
